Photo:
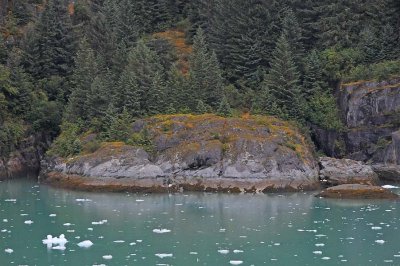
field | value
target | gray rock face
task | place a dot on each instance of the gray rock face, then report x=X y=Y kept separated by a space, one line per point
x=203 y=149
x=345 y=171
x=387 y=172
x=25 y=160
x=371 y=110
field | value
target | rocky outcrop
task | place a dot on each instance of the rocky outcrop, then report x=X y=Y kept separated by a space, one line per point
x=24 y=161
x=371 y=111
x=345 y=171
x=357 y=191
x=206 y=153
x=387 y=172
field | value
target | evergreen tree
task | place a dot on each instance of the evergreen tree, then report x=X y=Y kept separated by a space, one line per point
x=369 y=45
x=224 y=108
x=52 y=48
x=98 y=98
x=283 y=80
x=83 y=76
x=388 y=43
x=204 y=75
x=141 y=82
x=292 y=31
x=3 y=50
x=313 y=81
x=201 y=108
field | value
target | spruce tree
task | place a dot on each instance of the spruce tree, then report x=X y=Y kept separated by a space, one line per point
x=205 y=75
x=98 y=98
x=201 y=108
x=224 y=108
x=369 y=45
x=312 y=81
x=283 y=80
x=52 y=49
x=3 y=50
x=292 y=31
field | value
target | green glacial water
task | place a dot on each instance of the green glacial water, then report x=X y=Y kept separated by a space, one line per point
x=194 y=228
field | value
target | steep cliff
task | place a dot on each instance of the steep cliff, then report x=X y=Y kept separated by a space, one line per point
x=371 y=111
x=206 y=153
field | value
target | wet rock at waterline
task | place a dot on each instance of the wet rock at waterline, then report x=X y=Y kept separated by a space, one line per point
x=357 y=191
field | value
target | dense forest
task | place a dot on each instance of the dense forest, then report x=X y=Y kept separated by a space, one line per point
x=97 y=65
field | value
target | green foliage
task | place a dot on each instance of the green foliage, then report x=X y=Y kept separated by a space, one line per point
x=68 y=143
x=11 y=133
x=379 y=71
x=323 y=111
x=142 y=139
x=224 y=108
x=120 y=129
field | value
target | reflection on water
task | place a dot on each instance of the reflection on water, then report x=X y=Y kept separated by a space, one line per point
x=193 y=229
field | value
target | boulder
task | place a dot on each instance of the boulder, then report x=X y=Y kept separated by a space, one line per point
x=387 y=172
x=345 y=171
x=202 y=153
x=357 y=191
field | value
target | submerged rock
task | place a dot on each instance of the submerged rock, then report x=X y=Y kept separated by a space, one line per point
x=201 y=153
x=357 y=191
x=345 y=171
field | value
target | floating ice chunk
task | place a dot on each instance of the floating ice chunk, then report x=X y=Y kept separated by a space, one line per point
x=60 y=247
x=90 y=229
x=53 y=215
x=317 y=252
x=5 y=221
x=376 y=228
x=70 y=231
x=222 y=230
x=236 y=262
x=85 y=244
x=99 y=265
x=99 y=222
x=24 y=214
x=139 y=241
x=193 y=253
x=119 y=241
x=67 y=224
x=161 y=231
x=132 y=243
x=4 y=230
x=83 y=200
x=28 y=222
x=10 y=200
x=325 y=258
x=139 y=200
x=107 y=257
x=164 y=255
x=238 y=251
x=223 y=251
x=319 y=244
x=380 y=241
x=389 y=186
x=8 y=250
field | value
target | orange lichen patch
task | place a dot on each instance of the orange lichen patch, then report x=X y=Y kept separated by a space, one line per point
x=71 y=8
x=183 y=50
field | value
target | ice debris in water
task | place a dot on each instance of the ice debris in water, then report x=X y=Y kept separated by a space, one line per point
x=53 y=215
x=237 y=251
x=60 y=241
x=99 y=222
x=85 y=244
x=119 y=241
x=67 y=224
x=10 y=200
x=223 y=251
x=326 y=258
x=164 y=255
x=236 y=262
x=380 y=241
x=83 y=200
x=8 y=250
x=28 y=222
x=389 y=186
x=376 y=228
x=161 y=231
x=139 y=200
x=319 y=244
x=317 y=252
x=107 y=257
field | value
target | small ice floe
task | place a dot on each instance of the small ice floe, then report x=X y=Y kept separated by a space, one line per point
x=376 y=228
x=107 y=257
x=53 y=215
x=71 y=231
x=28 y=222
x=99 y=265
x=3 y=230
x=317 y=252
x=132 y=243
x=139 y=200
x=24 y=214
x=319 y=244
x=5 y=221
x=193 y=253
x=379 y=241
x=119 y=241
x=85 y=244
x=222 y=230
x=320 y=235
x=67 y=224
x=325 y=258
x=10 y=200
x=60 y=247
x=83 y=200
x=161 y=231
x=238 y=251
x=90 y=229
x=389 y=186
x=236 y=262
x=223 y=251
x=139 y=241
x=100 y=222
x=164 y=255
x=8 y=250
x=50 y=240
